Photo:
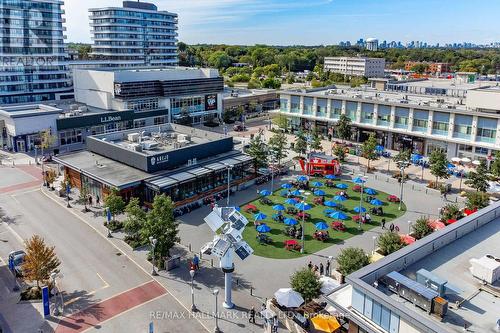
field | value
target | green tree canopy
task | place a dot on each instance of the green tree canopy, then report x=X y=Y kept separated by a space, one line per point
x=495 y=166
x=306 y=283
x=316 y=141
x=478 y=179
x=300 y=145
x=389 y=242
x=344 y=127
x=351 y=259
x=258 y=150
x=114 y=202
x=136 y=217
x=438 y=165
x=161 y=225
x=368 y=149
x=421 y=227
x=277 y=146
x=219 y=59
x=477 y=200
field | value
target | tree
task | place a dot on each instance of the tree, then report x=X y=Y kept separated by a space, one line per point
x=40 y=260
x=114 y=202
x=351 y=259
x=282 y=122
x=421 y=227
x=300 y=145
x=219 y=59
x=84 y=194
x=478 y=179
x=339 y=151
x=306 y=283
x=368 y=149
x=403 y=156
x=344 y=127
x=277 y=146
x=438 y=165
x=271 y=83
x=50 y=177
x=254 y=84
x=316 y=141
x=258 y=150
x=477 y=200
x=495 y=166
x=389 y=242
x=450 y=212
x=136 y=218
x=419 y=68
x=161 y=225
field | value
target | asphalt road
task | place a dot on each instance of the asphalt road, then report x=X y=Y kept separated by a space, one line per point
x=92 y=269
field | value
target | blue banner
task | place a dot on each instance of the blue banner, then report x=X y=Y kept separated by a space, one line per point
x=45 y=300
x=108 y=215
x=151 y=327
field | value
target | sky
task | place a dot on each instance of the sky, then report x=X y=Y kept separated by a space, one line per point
x=314 y=22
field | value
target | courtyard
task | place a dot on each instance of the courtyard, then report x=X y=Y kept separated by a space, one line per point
x=333 y=221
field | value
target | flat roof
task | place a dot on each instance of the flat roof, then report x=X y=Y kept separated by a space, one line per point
x=28 y=110
x=451 y=263
x=453 y=83
x=108 y=171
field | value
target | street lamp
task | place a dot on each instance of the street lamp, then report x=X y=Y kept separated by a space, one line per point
x=363 y=180
x=153 y=242
x=216 y=328
x=409 y=227
x=402 y=166
x=304 y=197
x=53 y=277
x=374 y=242
x=229 y=168
x=193 y=307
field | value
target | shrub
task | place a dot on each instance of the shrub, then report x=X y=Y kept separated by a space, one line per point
x=307 y=283
x=477 y=200
x=389 y=242
x=351 y=259
x=421 y=227
x=450 y=212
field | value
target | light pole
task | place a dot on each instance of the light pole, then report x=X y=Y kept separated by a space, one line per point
x=409 y=227
x=271 y=162
x=216 y=328
x=193 y=306
x=304 y=197
x=229 y=168
x=363 y=180
x=153 y=242
x=374 y=243
x=53 y=277
x=402 y=166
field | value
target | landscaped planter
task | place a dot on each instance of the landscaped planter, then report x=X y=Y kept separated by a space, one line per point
x=336 y=275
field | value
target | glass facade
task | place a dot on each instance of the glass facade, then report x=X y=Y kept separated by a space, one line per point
x=321 y=107
x=134 y=37
x=32 y=56
x=295 y=103
x=384 y=115
x=401 y=118
x=284 y=105
x=463 y=127
x=440 y=123
x=190 y=104
x=351 y=110
x=375 y=312
x=336 y=109
x=367 y=113
x=420 y=121
x=308 y=105
x=486 y=130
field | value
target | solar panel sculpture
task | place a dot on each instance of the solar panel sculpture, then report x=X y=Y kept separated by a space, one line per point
x=228 y=225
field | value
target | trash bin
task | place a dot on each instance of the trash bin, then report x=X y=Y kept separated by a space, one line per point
x=173 y=262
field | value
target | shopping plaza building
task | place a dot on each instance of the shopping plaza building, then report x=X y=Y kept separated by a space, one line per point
x=185 y=163
x=458 y=118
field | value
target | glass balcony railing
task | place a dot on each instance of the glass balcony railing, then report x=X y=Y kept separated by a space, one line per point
x=419 y=129
x=440 y=132
x=399 y=125
x=461 y=136
x=485 y=139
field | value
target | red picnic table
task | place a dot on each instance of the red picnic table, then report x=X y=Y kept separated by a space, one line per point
x=392 y=198
x=291 y=244
x=338 y=226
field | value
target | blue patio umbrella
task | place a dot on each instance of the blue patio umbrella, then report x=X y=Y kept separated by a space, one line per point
x=290 y=201
x=259 y=216
x=287 y=186
x=237 y=208
x=317 y=184
x=370 y=191
x=376 y=202
x=289 y=221
x=263 y=228
x=358 y=209
x=359 y=180
x=379 y=148
x=265 y=193
x=339 y=198
x=330 y=203
x=278 y=207
x=331 y=177
x=450 y=166
x=296 y=193
x=302 y=178
x=329 y=211
x=342 y=186
x=302 y=206
x=338 y=216
x=321 y=225
x=319 y=193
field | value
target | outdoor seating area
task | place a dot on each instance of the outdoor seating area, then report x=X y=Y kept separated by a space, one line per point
x=328 y=215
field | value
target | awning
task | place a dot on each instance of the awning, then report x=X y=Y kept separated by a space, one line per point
x=215 y=166
x=161 y=182
x=200 y=171
x=182 y=176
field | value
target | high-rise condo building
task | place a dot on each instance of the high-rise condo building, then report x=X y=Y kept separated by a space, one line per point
x=32 y=54
x=137 y=34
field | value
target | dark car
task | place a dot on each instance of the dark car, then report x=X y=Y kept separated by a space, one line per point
x=18 y=259
x=239 y=128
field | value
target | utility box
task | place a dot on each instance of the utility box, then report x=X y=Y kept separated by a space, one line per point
x=172 y=262
x=431 y=281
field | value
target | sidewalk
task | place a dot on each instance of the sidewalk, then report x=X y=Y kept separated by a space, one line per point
x=177 y=281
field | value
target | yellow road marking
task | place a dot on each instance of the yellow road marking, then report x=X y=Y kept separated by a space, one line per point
x=73 y=300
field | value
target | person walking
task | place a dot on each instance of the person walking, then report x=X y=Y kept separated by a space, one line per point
x=383 y=223
x=310 y=265
x=276 y=324
x=98 y=201
x=251 y=318
x=90 y=200
x=327 y=267
x=391 y=227
x=196 y=262
x=321 y=269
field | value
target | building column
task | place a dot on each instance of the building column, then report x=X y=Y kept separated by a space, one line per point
x=375 y=114
x=452 y=126
x=392 y=118
x=410 y=120
x=389 y=140
x=430 y=122
x=474 y=129
x=315 y=106
x=301 y=105
x=344 y=106
x=329 y=108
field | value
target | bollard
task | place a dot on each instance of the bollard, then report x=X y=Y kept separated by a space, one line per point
x=211 y=263
x=237 y=282
x=251 y=291
x=456 y=199
x=189 y=247
x=201 y=255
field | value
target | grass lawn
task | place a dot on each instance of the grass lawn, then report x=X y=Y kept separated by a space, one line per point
x=276 y=248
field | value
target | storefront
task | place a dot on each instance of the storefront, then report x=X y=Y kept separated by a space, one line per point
x=408 y=142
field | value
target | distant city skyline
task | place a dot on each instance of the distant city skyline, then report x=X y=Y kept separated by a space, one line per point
x=247 y=22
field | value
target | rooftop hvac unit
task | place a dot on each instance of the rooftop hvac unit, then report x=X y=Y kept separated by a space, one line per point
x=431 y=281
x=486 y=268
x=150 y=145
x=83 y=108
x=73 y=107
x=135 y=147
x=133 y=137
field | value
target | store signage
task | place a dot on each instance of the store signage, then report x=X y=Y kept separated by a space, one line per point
x=159 y=159
x=210 y=102
x=109 y=119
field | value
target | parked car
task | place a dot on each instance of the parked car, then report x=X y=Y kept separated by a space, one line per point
x=239 y=128
x=18 y=259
